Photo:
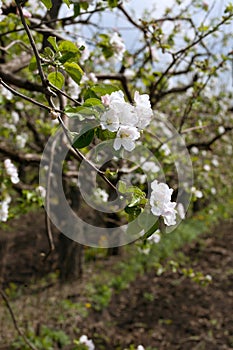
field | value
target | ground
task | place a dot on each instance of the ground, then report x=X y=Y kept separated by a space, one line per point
x=165 y=312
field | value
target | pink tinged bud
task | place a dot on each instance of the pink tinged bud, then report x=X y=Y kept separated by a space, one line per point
x=106 y=100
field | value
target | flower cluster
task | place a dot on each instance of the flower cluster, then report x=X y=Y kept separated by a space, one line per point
x=4 y=208
x=161 y=204
x=88 y=342
x=118 y=46
x=125 y=119
x=11 y=170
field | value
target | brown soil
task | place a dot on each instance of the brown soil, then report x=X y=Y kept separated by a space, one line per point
x=166 y=312
x=182 y=314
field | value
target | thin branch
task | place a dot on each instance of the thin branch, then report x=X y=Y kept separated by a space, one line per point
x=33 y=44
x=20 y=157
x=21 y=83
x=24 y=97
x=207 y=145
x=20 y=333
x=47 y=202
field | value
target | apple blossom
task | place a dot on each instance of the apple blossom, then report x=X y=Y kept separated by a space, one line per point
x=21 y=140
x=11 y=171
x=125 y=118
x=155 y=238
x=160 y=201
x=4 y=208
x=85 y=53
x=221 y=129
x=181 y=210
x=41 y=191
x=88 y=342
x=197 y=193
x=118 y=46
x=101 y=194
x=142 y=109
x=140 y=347
x=110 y=120
x=126 y=136
x=206 y=167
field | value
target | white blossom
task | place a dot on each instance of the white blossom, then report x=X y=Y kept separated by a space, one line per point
x=41 y=191
x=213 y=190
x=15 y=117
x=11 y=127
x=5 y=92
x=215 y=162
x=194 y=150
x=129 y=73
x=160 y=201
x=21 y=140
x=101 y=194
x=11 y=170
x=125 y=118
x=140 y=347
x=118 y=46
x=19 y=105
x=88 y=342
x=206 y=167
x=165 y=149
x=110 y=120
x=4 y=208
x=149 y=166
x=221 y=129
x=143 y=109
x=126 y=136
x=180 y=210
x=85 y=53
x=197 y=193
x=155 y=238
x=93 y=77
x=113 y=99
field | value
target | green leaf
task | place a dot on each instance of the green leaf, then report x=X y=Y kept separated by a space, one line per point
x=67 y=2
x=122 y=186
x=84 y=5
x=112 y=3
x=67 y=46
x=103 y=89
x=52 y=40
x=105 y=134
x=84 y=138
x=77 y=10
x=68 y=56
x=57 y=79
x=47 y=3
x=81 y=112
x=133 y=212
x=74 y=71
x=92 y=102
x=33 y=64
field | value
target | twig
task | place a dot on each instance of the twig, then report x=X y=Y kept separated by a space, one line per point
x=20 y=333
x=33 y=44
x=47 y=203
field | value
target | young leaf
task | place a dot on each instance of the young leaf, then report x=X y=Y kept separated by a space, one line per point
x=67 y=2
x=85 y=138
x=74 y=71
x=53 y=42
x=57 y=79
x=103 y=89
x=47 y=3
